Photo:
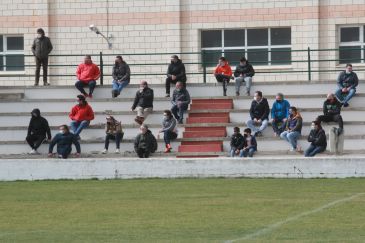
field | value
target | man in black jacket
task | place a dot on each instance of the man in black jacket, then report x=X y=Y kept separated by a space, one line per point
x=244 y=73
x=143 y=102
x=331 y=112
x=64 y=140
x=317 y=138
x=236 y=142
x=41 y=48
x=180 y=102
x=145 y=143
x=37 y=130
x=347 y=82
x=259 y=113
x=175 y=73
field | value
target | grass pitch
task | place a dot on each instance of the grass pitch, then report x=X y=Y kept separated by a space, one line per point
x=183 y=210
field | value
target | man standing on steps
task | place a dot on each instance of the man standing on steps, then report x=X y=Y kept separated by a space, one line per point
x=175 y=73
x=143 y=101
x=223 y=73
x=87 y=73
x=331 y=112
x=347 y=82
x=243 y=74
x=259 y=113
x=81 y=115
x=41 y=48
x=180 y=102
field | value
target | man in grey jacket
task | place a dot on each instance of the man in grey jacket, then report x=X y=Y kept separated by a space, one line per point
x=180 y=102
x=41 y=48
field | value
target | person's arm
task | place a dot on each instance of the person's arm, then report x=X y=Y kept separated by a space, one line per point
x=321 y=139
x=49 y=136
x=252 y=108
x=236 y=71
x=114 y=73
x=50 y=47
x=340 y=81
x=29 y=128
x=135 y=102
x=169 y=70
x=182 y=72
x=33 y=48
x=287 y=107
x=241 y=143
x=298 y=125
x=78 y=72
x=136 y=142
x=187 y=98
x=73 y=113
x=229 y=71
x=356 y=81
x=96 y=72
x=171 y=126
x=90 y=113
x=253 y=143
x=53 y=143
x=311 y=136
x=251 y=71
x=266 y=112
x=325 y=109
x=127 y=74
x=273 y=109
x=217 y=70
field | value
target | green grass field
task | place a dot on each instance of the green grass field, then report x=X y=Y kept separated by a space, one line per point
x=183 y=210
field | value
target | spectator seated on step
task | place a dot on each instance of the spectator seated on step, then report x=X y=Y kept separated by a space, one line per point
x=293 y=129
x=279 y=114
x=236 y=142
x=113 y=130
x=332 y=112
x=121 y=76
x=223 y=73
x=38 y=131
x=175 y=73
x=168 y=129
x=317 y=138
x=347 y=82
x=243 y=74
x=249 y=144
x=145 y=143
x=81 y=115
x=87 y=73
x=180 y=102
x=259 y=113
x=64 y=140
x=143 y=102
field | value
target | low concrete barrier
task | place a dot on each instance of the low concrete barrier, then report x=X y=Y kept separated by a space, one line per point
x=127 y=168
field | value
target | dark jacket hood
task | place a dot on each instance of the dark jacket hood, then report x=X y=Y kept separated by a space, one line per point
x=37 y=112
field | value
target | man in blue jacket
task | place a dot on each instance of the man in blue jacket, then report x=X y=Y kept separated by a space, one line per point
x=64 y=140
x=279 y=114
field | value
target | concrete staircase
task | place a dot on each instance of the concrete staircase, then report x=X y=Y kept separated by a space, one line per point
x=209 y=123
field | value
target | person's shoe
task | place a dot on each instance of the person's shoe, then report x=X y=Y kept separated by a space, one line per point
x=78 y=138
x=33 y=151
x=117 y=151
x=299 y=149
x=114 y=94
x=345 y=104
x=180 y=121
x=104 y=151
x=168 y=148
x=139 y=120
x=36 y=84
x=258 y=134
x=339 y=131
x=248 y=93
x=292 y=149
x=85 y=95
x=45 y=84
x=167 y=95
x=237 y=93
x=90 y=96
x=224 y=93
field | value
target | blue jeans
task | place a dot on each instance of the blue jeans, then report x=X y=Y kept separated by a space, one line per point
x=347 y=98
x=80 y=86
x=278 y=125
x=168 y=136
x=313 y=150
x=77 y=126
x=248 y=152
x=291 y=137
x=251 y=124
x=179 y=112
x=119 y=85
x=232 y=153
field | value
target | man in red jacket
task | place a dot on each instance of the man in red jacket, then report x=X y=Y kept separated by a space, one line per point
x=87 y=73
x=223 y=73
x=81 y=115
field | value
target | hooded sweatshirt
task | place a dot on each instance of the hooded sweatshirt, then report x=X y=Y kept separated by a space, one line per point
x=177 y=69
x=225 y=69
x=280 y=110
x=82 y=113
x=87 y=72
x=38 y=125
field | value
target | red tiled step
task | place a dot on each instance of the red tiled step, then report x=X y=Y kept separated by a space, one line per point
x=210 y=101
x=191 y=120
x=204 y=134
x=197 y=156
x=213 y=114
x=195 y=129
x=201 y=148
x=201 y=142
x=210 y=106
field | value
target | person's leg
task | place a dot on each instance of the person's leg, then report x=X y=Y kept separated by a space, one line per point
x=166 y=137
x=251 y=151
x=167 y=85
x=316 y=150
x=338 y=94
x=243 y=153
x=45 y=70
x=232 y=152
x=251 y=125
x=147 y=154
x=82 y=125
x=274 y=125
x=37 y=70
x=122 y=85
x=238 y=82
x=80 y=86
x=292 y=138
x=147 y=112
x=174 y=111
x=325 y=118
x=284 y=136
x=74 y=125
x=118 y=138
x=264 y=124
x=107 y=137
x=115 y=85
x=38 y=142
x=92 y=85
x=140 y=153
x=349 y=96
x=30 y=140
x=248 y=81
x=181 y=111
x=309 y=150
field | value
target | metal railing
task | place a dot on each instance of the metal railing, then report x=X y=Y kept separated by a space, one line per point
x=196 y=59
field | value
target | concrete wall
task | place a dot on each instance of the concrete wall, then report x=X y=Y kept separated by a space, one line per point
x=173 y=26
x=33 y=169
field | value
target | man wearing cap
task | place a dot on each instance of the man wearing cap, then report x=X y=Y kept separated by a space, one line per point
x=41 y=48
x=81 y=115
x=87 y=73
x=175 y=73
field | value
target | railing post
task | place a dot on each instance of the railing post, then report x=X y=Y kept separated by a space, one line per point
x=309 y=64
x=204 y=67
x=101 y=68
